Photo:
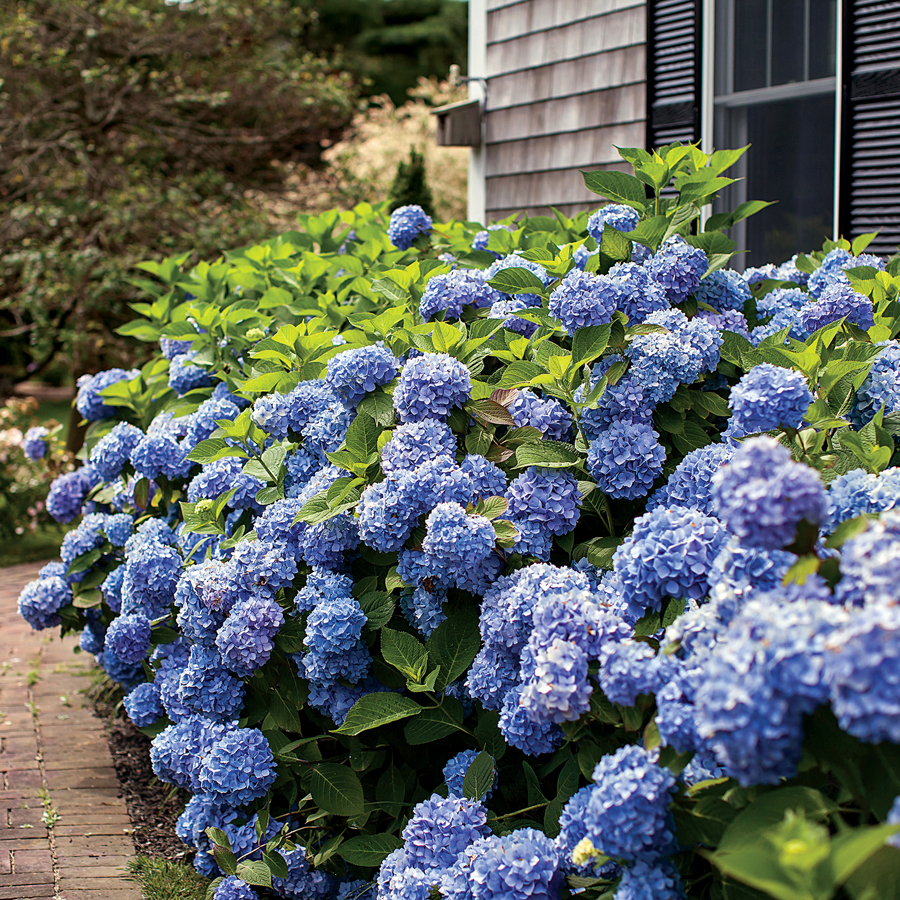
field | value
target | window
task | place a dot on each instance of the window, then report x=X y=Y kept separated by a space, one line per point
x=775 y=87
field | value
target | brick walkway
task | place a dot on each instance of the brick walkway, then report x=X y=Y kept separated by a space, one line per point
x=54 y=759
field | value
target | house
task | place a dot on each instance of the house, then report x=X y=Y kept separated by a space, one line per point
x=813 y=85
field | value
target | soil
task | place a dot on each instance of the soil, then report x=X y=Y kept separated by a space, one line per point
x=153 y=805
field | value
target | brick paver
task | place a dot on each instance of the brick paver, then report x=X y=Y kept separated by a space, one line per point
x=54 y=755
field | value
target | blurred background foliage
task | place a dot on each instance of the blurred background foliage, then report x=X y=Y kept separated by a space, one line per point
x=132 y=129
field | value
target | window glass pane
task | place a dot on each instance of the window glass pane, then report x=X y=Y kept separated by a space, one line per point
x=791 y=160
x=787 y=40
x=749 y=44
x=822 y=38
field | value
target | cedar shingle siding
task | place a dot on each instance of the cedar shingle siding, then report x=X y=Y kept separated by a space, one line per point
x=566 y=82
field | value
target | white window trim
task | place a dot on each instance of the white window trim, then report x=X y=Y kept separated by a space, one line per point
x=477 y=69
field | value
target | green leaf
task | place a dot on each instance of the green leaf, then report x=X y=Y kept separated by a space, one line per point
x=589 y=343
x=391 y=791
x=853 y=848
x=362 y=437
x=337 y=789
x=878 y=878
x=255 y=871
x=617 y=186
x=519 y=374
x=378 y=607
x=373 y=710
x=454 y=644
x=479 y=777
x=615 y=244
x=379 y=406
x=517 y=280
x=404 y=653
x=434 y=724
x=547 y=454
x=369 y=850
x=276 y=863
x=391 y=290
x=489 y=411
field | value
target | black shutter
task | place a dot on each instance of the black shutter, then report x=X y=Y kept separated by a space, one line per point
x=673 y=71
x=870 y=172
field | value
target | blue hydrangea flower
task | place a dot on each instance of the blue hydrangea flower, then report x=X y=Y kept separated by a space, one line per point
x=333 y=632
x=642 y=293
x=616 y=215
x=520 y=729
x=762 y=495
x=657 y=880
x=205 y=688
x=407 y=223
x=151 y=575
x=546 y=496
x=281 y=414
x=91 y=638
x=245 y=640
x=859 y=493
x=487 y=480
x=558 y=690
x=730 y=320
x=201 y=423
x=678 y=268
x=788 y=271
x=354 y=373
x=430 y=386
x=690 y=485
x=523 y=865
x=631 y=668
x=546 y=414
x=723 y=290
x=581 y=256
x=505 y=307
x=68 y=492
x=582 y=299
x=739 y=572
x=784 y=318
x=238 y=768
x=34 y=444
x=88 y=401
x=455 y=772
x=119 y=529
x=184 y=376
x=781 y=300
x=881 y=387
x=222 y=475
x=669 y=554
x=143 y=704
x=628 y=815
x=275 y=525
x=766 y=398
x=325 y=432
x=40 y=601
x=112 y=589
x=440 y=828
x=128 y=638
x=170 y=348
x=156 y=455
x=831 y=269
x=626 y=402
x=756 y=274
x=423 y=608
x=452 y=291
x=625 y=460
x=869 y=564
x=321 y=584
x=232 y=888
x=454 y=539
x=388 y=513
x=125 y=674
x=415 y=443
x=837 y=302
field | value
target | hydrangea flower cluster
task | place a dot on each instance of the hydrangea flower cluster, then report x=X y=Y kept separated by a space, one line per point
x=766 y=398
x=408 y=223
x=451 y=292
x=430 y=386
x=354 y=373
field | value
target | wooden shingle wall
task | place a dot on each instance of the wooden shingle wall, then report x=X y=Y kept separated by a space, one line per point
x=566 y=81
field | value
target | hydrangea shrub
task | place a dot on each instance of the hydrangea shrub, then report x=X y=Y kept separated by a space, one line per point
x=550 y=559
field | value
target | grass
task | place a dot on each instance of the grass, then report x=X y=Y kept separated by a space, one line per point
x=163 y=880
x=33 y=546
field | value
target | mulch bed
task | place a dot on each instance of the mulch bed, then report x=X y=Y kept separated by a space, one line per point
x=153 y=806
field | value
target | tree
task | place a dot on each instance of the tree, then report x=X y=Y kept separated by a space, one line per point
x=411 y=185
x=130 y=129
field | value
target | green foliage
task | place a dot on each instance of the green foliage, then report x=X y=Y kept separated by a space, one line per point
x=410 y=185
x=163 y=880
x=133 y=129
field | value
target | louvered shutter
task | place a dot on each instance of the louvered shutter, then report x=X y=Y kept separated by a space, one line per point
x=871 y=137
x=673 y=79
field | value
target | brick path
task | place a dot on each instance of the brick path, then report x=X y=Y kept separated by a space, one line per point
x=52 y=747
